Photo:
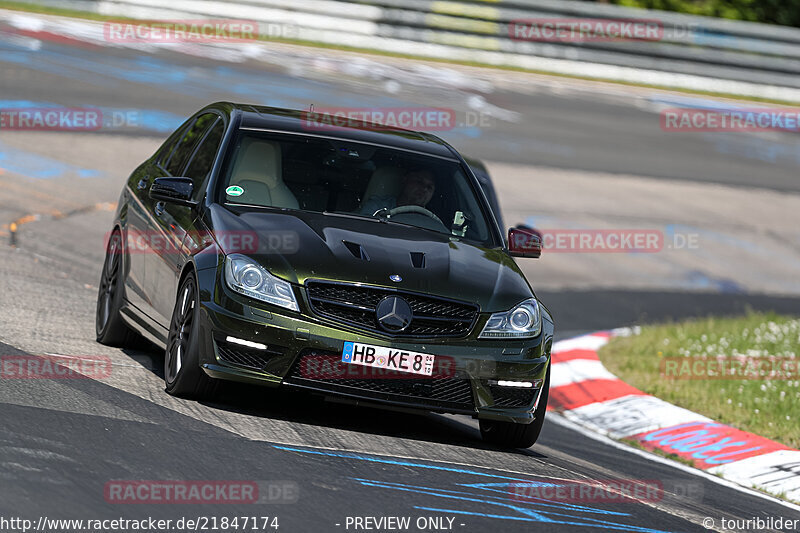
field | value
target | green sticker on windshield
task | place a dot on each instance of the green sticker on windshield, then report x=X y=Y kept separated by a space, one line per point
x=234 y=190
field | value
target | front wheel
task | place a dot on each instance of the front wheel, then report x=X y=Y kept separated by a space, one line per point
x=182 y=373
x=512 y=435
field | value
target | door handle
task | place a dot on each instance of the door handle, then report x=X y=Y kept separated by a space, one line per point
x=142 y=185
x=160 y=208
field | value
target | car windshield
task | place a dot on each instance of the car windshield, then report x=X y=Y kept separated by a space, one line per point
x=340 y=176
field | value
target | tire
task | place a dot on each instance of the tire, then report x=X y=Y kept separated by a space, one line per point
x=182 y=373
x=111 y=330
x=512 y=435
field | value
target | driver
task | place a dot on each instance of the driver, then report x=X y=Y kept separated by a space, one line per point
x=417 y=188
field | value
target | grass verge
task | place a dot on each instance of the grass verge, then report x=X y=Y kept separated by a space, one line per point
x=65 y=12
x=663 y=361
x=53 y=10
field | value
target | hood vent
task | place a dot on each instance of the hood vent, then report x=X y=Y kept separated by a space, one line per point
x=357 y=250
x=418 y=259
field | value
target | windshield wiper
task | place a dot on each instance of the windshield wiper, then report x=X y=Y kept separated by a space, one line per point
x=385 y=219
x=349 y=215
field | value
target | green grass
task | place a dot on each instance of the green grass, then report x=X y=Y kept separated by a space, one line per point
x=47 y=10
x=766 y=406
x=60 y=11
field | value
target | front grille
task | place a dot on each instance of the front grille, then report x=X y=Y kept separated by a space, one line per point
x=325 y=371
x=355 y=305
x=243 y=356
x=513 y=396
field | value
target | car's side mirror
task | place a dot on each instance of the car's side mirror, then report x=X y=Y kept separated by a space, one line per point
x=173 y=190
x=524 y=241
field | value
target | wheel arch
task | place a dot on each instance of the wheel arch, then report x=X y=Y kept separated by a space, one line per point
x=188 y=268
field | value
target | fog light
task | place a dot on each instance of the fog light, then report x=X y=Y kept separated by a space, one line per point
x=535 y=384
x=249 y=344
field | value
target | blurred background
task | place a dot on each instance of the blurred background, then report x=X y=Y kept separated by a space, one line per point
x=570 y=126
x=584 y=148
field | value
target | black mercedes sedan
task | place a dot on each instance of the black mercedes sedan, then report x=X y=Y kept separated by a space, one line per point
x=363 y=263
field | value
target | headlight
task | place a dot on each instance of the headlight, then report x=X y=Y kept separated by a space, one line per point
x=251 y=279
x=523 y=321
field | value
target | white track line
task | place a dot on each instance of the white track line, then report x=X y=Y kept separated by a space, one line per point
x=563 y=422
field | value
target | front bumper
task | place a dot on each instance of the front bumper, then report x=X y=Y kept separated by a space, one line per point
x=291 y=342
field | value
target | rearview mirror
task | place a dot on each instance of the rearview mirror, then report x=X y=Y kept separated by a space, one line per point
x=524 y=241
x=173 y=190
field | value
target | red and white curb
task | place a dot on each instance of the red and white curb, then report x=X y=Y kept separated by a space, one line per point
x=586 y=393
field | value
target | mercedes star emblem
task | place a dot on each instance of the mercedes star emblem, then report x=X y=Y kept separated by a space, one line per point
x=394 y=314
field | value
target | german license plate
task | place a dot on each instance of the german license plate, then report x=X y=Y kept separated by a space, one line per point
x=356 y=353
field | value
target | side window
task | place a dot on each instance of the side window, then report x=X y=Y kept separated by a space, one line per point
x=169 y=145
x=203 y=160
x=181 y=155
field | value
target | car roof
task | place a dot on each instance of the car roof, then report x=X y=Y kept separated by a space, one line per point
x=295 y=121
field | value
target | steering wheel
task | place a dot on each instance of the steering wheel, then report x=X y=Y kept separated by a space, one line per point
x=413 y=209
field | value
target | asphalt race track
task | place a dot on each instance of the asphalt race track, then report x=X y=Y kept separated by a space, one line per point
x=562 y=153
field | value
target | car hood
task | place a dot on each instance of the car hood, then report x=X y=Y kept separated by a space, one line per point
x=299 y=246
